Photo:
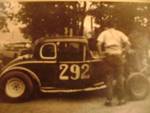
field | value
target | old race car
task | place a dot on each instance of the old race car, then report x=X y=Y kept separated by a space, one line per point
x=58 y=64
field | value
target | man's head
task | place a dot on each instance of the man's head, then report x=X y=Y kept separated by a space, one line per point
x=111 y=24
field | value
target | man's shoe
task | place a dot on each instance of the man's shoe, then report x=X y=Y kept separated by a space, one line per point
x=122 y=101
x=108 y=103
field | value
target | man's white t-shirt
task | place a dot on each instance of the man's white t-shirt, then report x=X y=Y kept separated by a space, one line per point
x=113 y=41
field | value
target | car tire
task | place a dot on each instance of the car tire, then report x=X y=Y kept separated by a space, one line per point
x=137 y=86
x=16 y=86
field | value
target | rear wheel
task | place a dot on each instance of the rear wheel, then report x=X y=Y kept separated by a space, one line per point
x=16 y=86
x=137 y=86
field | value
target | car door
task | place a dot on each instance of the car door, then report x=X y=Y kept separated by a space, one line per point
x=73 y=70
x=48 y=67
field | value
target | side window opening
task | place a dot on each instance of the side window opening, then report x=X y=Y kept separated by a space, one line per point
x=70 y=51
x=48 y=51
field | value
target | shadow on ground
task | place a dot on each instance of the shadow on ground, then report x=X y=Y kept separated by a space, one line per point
x=70 y=96
x=63 y=96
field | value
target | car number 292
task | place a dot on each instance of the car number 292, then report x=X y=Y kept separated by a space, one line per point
x=76 y=71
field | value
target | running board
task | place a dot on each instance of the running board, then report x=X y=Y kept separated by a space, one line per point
x=55 y=90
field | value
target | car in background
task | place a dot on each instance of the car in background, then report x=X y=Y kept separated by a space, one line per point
x=12 y=50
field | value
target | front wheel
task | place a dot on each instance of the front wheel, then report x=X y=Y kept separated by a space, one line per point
x=16 y=86
x=137 y=86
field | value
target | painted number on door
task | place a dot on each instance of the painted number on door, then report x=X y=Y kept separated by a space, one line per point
x=76 y=72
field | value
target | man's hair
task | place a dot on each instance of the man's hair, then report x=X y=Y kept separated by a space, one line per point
x=111 y=24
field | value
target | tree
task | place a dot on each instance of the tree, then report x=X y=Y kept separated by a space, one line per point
x=3 y=16
x=50 y=18
x=127 y=16
x=65 y=18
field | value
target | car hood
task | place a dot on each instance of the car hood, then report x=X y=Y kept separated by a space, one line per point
x=18 y=59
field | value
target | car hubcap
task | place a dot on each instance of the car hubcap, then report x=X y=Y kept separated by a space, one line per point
x=15 y=87
x=139 y=86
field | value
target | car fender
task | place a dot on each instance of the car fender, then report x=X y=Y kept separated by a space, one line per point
x=31 y=73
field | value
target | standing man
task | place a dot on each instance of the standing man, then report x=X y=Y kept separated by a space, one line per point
x=113 y=43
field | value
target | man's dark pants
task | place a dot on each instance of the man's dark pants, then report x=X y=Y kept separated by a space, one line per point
x=115 y=70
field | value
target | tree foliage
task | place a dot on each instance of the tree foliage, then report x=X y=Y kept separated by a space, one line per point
x=3 y=16
x=50 y=18
x=127 y=16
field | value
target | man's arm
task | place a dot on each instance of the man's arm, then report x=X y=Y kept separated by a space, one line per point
x=126 y=43
x=99 y=48
x=100 y=42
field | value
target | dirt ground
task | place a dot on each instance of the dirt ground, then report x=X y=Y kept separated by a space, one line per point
x=74 y=103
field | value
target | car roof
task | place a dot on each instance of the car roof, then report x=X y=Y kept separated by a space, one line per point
x=62 y=39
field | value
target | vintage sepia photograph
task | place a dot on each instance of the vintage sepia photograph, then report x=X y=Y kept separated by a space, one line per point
x=74 y=56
